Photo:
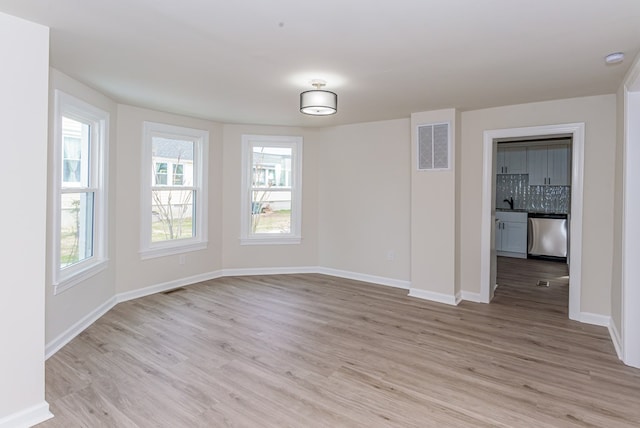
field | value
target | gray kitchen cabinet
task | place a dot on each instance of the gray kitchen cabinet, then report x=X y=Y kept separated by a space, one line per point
x=548 y=165
x=511 y=160
x=511 y=234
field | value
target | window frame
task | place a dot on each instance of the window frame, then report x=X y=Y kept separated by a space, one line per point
x=296 y=144
x=63 y=278
x=199 y=240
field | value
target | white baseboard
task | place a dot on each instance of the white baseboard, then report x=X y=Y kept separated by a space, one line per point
x=615 y=338
x=169 y=285
x=268 y=271
x=27 y=417
x=56 y=344
x=511 y=254
x=434 y=297
x=471 y=297
x=594 y=319
x=53 y=346
x=380 y=280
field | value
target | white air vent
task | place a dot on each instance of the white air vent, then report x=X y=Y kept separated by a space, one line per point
x=433 y=146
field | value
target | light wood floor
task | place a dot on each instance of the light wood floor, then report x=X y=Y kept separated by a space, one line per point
x=317 y=351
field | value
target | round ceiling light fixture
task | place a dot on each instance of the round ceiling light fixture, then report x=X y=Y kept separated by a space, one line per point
x=318 y=102
x=614 y=58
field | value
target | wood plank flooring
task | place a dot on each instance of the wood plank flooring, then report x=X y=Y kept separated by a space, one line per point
x=517 y=279
x=318 y=351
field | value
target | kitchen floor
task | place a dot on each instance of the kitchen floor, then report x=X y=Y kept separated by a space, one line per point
x=517 y=284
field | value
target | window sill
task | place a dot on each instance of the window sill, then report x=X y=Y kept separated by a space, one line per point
x=79 y=276
x=151 y=253
x=271 y=240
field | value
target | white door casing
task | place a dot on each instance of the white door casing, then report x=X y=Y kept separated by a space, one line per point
x=487 y=257
x=631 y=229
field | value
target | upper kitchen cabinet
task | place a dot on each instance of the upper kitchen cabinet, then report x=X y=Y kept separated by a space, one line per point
x=548 y=165
x=511 y=160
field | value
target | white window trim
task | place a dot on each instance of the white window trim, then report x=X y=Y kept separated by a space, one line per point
x=69 y=106
x=200 y=138
x=295 y=237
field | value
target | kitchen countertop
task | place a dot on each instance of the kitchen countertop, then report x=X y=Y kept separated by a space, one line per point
x=516 y=210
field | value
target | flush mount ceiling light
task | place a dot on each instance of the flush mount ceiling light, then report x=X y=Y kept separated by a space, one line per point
x=318 y=102
x=614 y=58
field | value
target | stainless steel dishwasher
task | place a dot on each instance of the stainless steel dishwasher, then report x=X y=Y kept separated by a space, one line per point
x=547 y=236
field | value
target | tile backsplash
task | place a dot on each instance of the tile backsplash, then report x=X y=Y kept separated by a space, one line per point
x=548 y=199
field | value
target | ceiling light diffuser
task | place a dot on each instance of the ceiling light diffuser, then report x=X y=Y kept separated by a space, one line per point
x=614 y=58
x=318 y=102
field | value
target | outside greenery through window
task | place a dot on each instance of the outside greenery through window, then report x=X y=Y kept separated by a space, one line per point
x=173 y=194
x=174 y=208
x=77 y=194
x=272 y=175
x=271 y=190
x=79 y=203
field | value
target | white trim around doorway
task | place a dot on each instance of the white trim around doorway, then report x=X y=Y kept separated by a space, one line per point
x=575 y=225
x=630 y=339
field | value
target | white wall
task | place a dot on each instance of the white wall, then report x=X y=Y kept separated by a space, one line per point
x=624 y=319
x=133 y=273
x=65 y=309
x=599 y=115
x=433 y=217
x=236 y=256
x=618 y=207
x=364 y=199
x=630 y=295
x=24 y=48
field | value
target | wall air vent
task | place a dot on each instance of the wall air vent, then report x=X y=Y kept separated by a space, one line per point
x=433 y=147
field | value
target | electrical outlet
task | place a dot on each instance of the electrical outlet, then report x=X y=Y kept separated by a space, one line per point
x=182 y=259
x=391 y=255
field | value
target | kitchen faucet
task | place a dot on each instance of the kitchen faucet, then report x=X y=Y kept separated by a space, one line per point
x=510 y=202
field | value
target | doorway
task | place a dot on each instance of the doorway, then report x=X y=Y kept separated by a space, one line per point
x=532 y=201
x=488 y=252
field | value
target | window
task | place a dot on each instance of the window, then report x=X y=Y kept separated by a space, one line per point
x=161 y=173
x=272 y=185
x=79 y=203
x=178 y=174
x=174 y=190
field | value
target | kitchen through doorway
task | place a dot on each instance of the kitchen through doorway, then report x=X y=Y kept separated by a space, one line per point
x=532 y=201
x=488 y=254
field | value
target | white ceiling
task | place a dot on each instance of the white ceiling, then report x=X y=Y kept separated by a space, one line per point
x=246 y=61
